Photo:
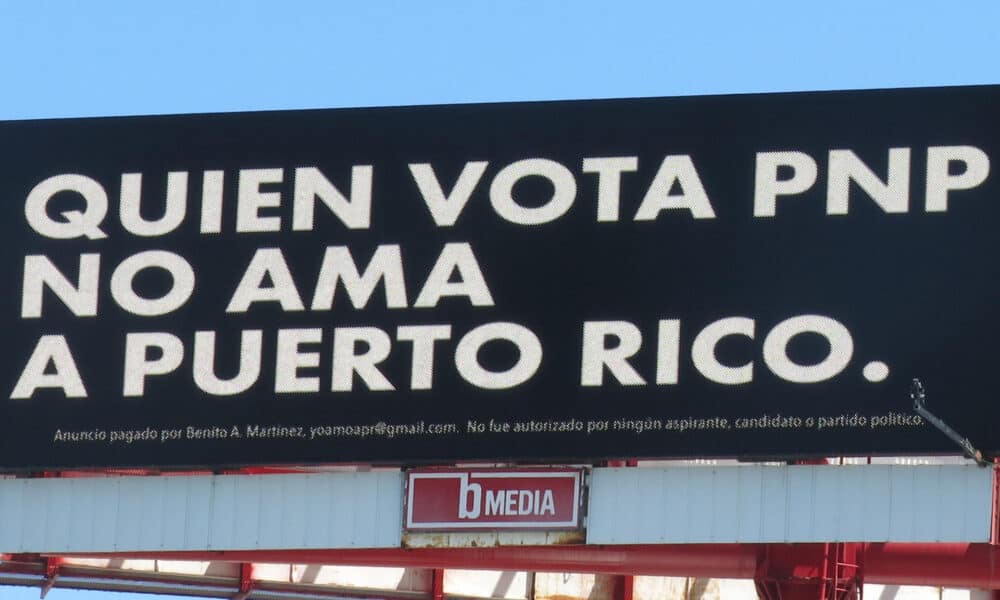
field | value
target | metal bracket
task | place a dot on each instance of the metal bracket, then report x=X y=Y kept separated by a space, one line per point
x=246 y=581
x=52 y=564
x=919 y=396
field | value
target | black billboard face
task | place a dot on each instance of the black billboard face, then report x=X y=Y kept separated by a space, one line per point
x=747 y=276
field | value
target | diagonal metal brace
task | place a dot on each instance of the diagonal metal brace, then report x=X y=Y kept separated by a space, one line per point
x=919 y=396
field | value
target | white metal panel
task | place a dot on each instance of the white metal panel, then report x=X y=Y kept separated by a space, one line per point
x=673 y=496
x=701 y=515
x=873 y=489
x=11 y=498
x=801 y=503
x=388 y=509
x=799 y=508
x=366 y=518
x=319 y=526
x=174 y=522
x=748 y=505
x=198 y=531
x=239 y=512
x=32 y=517
x=902 y=512
x=773 y=493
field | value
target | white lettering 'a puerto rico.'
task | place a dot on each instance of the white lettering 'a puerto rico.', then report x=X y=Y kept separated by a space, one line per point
x=520 y=502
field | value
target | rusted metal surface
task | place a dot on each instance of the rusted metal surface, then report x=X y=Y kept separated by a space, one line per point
x=492 y=539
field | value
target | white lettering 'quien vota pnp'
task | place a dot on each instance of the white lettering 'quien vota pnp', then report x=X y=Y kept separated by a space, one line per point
x=457 y=272
x=354 y=209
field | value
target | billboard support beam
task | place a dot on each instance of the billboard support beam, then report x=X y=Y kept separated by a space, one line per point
x=51 y=574
x=937 y=564
x=919 y=397
x=995 y=507
x=246 y=581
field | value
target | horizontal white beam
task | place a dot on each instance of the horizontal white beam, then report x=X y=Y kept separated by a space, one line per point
x=224 y=512
x=788 y=504
x=661 y=505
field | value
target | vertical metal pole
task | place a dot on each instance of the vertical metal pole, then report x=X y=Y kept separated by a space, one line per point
x=829 y=589
x=624 y=586
x=246 y=581
x=995 y=518
x=861 y=570
x=437 y=584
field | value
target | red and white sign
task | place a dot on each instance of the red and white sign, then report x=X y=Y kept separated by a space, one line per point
x=458 y=499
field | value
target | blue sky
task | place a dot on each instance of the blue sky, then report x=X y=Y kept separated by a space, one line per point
x=102 y=57
x=68 y=58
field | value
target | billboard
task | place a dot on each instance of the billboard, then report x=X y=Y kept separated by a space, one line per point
x=751 y=276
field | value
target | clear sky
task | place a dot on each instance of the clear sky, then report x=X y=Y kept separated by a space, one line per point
x=102 y=57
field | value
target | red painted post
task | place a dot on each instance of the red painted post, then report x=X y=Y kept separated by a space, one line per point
x=437 y=584
x=52 y=564
x=246 y=581
x=793 y=572
x=624 y=586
